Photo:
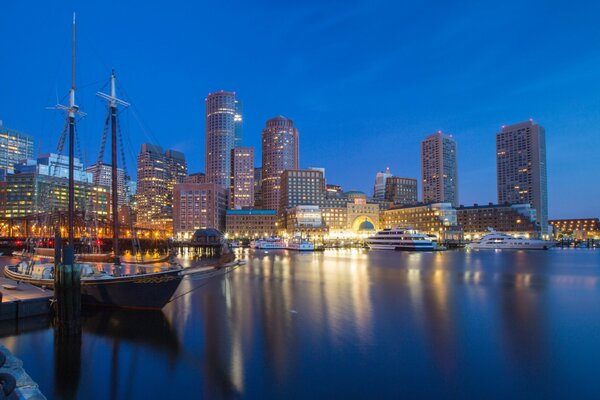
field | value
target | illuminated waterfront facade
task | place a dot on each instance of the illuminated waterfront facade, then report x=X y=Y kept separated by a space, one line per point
x=158 y=172
x=279 y=153
x=250 y=224
x=241 y=193
x=401 y=191
x=15 y=146
x=521 y=168
x=515 y=219
x=439 y=169
x=436 y=218
x=304 y=220
x=577 y=228
x=197 y=206
x=220 y=137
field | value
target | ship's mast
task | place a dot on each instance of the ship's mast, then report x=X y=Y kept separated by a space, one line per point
x=113 y=101
x=72 y=111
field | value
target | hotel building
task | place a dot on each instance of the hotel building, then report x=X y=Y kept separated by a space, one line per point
x=241 y=193
x=279 y=153
x=221 y=114
x=436 y=218
x=198 y=206
x=248 y=224
x=401 y=191
x=521 y=168
x=439 y=169
x=514 y=219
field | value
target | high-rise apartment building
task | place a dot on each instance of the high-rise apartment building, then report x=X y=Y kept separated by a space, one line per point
x=102 y=175
x=380 y=179
x=401 y=191
x=521 y=168
x=279 y=153
x=439 y=169
x=241 y=193
x=220 y=136
x=198 y=206
x=14 y=147
x=158 y=172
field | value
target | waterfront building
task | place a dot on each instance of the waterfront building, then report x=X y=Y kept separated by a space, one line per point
x=15 y=147
x=196 y=177
x=576 y=228
x=258 y=187
x=279 y=153
x=238 y=120
x=158 y=172
x=362 y=218
x=380 y=179
x=241 y=193
x=435 y=218
x=334 y=209
x=401 y=191
x=305 y=220
x=249 y=224
x=300 y=187
x=220 y=136
x=521 y=168
x=197 y=206
x=102 y=176
x=439 y=169
x=514 y=219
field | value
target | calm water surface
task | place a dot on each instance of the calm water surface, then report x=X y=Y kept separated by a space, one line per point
x=345 y=324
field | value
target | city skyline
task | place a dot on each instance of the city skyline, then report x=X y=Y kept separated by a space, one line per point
x=359 y=132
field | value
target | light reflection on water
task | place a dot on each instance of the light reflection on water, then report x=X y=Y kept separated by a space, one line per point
x=351 y=324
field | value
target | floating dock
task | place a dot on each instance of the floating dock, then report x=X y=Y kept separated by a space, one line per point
x=22 y=300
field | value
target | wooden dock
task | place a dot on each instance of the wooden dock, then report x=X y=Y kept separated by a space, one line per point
x=23 y=301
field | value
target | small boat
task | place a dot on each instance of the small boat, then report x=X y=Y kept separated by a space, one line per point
x=497 y=240
x=401 y=239
x=270 y=243
x=299 y=244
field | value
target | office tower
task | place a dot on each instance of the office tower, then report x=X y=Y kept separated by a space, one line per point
x=439 y=169
x=102 y=175
x=238 y=120
x=196 y=177
x=380 y=178
x=521 y=168
x=302 y=187
x=14 y=148
x=197 y=206
x=220 y=136
x=258 y=187
x=158 y=172
x=401 y=191
x=241 y=193
x=279 y=153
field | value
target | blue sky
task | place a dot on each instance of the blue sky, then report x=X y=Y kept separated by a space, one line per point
x=365 y=81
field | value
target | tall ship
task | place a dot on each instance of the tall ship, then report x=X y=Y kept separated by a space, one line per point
x=497 y=240
x=401 y=239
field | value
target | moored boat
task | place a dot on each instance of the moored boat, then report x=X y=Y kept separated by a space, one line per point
x=401 y=239
x=497 y=240
x=270 y=243
x=299 y=244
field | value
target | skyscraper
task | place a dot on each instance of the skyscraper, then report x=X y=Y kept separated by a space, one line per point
x=102 y=175
x=279 y=153
x=220 y=136
x=238 y=120
x=241 y=193
x=380 y=178
x=158 y=172
x=14 y=147
x=521 y=168
x=439 y=169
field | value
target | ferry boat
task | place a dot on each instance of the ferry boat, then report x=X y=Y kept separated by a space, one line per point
x=401 y=239
x=270 y=243
x=297 y=243
x=498 y=240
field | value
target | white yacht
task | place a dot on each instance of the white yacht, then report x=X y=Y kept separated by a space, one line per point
x=270 y=243
x=401 y=239
x=497 y=240
x=297 y=243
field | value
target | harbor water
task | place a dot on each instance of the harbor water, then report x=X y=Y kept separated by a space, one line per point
x=343 y=324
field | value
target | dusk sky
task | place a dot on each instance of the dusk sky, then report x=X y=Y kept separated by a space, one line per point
x=364 y=81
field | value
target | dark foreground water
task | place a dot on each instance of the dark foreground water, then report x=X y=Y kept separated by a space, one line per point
x=345 y=324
